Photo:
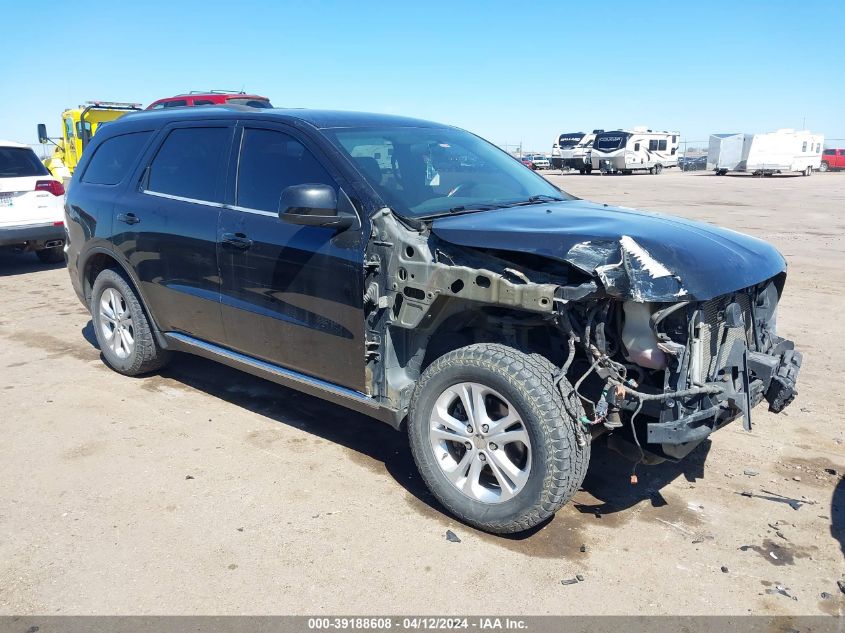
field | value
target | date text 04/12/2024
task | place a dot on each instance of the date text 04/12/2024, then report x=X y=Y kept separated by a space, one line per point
x=417 y=623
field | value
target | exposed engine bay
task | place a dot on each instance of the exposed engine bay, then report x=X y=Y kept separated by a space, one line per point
x=657 y=362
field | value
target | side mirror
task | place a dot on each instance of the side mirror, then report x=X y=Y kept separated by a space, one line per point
x=312 y=205
x=42 y=133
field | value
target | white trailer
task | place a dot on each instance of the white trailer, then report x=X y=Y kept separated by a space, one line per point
x=780 y=152
x=571 y=151
x=724 y=152
x=625 y=151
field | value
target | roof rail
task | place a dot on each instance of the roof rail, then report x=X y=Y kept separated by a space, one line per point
x=211 y=92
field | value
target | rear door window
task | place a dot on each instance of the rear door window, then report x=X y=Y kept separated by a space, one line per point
x=270 y=161
x=114 y=158
x=190 y=164
x=18 y=162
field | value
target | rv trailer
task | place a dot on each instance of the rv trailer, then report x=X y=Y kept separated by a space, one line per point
x=624 y=151
x=572 y=151
x=780 y=152
x=724 y=152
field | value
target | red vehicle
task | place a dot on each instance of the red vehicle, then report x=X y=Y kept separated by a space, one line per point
x=528 y=163
x=212 y=97
x=832 y=159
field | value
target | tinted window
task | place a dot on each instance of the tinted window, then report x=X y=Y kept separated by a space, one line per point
x=177 y=103
x=610 y=141
x=254 y=103
x=202 y=102
x=829 y=152
x=271 y=161
x=565 y=141
x=113 y=158
x=189 y=164
x=661 y=145
x=16 y=162
x=652 y=145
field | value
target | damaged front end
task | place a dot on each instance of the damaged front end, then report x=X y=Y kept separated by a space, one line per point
x=651 y=334
x=691 y=367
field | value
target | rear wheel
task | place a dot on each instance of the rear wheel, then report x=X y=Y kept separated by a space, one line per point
x=824 y=166
x=123 y=331
x=658 y=169
x=493 y=439
x=808 y=171
x=51 y=255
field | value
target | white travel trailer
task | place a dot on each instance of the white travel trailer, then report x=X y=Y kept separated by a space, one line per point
x=780 y=152
x=572 y=151
x=624 y=151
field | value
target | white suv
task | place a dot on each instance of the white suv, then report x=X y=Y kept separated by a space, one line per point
x=31 y=204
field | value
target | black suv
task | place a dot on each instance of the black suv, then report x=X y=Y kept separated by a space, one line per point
x=506 y=324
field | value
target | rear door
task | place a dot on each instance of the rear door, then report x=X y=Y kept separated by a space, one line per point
x=291 y=295
x=166 y=227
x=20 y=202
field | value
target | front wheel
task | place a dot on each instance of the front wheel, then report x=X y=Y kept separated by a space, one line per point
x=824 y=167
x=493 y=439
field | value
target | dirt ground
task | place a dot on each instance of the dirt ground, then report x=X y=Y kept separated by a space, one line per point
x=206 y=491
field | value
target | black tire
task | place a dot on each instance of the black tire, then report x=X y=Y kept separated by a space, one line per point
x=146 y=354
x=658 y=169
x=558 y=462
x=51 y=255
x=589 y=170
x=824 y=167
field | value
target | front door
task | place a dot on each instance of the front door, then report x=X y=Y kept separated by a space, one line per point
x=291 y=295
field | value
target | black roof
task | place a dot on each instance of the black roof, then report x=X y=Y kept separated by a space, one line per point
x=321 y=119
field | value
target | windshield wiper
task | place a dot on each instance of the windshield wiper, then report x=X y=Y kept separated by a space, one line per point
x=535 y=199
x=463 y=209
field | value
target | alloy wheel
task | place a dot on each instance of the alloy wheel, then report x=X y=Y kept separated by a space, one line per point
x=480 y=442
x=116 y=324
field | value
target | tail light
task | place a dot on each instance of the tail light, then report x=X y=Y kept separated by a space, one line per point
x=53 y=186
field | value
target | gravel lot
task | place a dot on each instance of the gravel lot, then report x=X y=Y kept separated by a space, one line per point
x=204 y=490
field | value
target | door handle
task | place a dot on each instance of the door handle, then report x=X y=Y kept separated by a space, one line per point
x=128 y=218
x=237 y=240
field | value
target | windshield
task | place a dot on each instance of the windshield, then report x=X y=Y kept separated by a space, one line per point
x=16 y=162
x=423 y=172
x=568 y=141
x=609 y=141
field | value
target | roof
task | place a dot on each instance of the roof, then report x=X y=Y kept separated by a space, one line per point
x=4 y=143
x=322 y=119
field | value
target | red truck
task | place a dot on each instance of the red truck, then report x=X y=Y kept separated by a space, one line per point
x=212 y=97
x=832 y=159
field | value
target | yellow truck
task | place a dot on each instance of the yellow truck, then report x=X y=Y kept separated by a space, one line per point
x=78 y=127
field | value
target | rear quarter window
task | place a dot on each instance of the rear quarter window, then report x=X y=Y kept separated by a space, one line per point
x=114 y=158
x=17 y=162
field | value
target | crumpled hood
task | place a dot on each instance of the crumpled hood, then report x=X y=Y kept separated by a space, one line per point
x=634 y=254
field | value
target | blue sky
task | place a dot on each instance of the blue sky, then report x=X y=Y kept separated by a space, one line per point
x=510 y=71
